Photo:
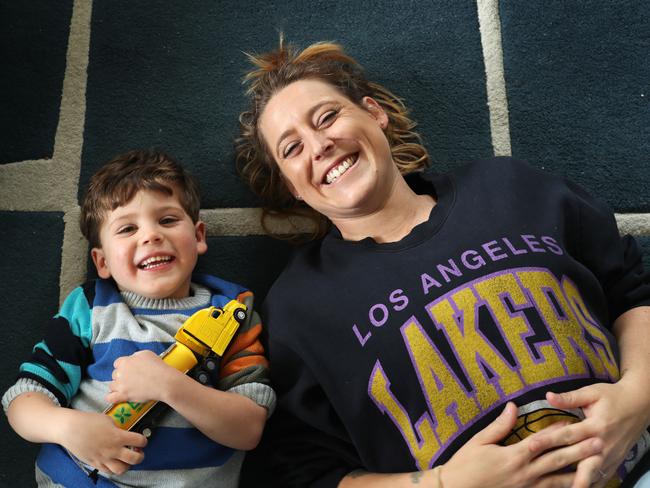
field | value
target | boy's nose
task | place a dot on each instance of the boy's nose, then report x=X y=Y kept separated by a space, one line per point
x=151 y=236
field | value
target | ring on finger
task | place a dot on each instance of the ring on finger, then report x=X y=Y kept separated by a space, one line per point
x=602 y=474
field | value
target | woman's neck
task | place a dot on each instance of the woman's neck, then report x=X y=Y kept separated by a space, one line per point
x=394 y=220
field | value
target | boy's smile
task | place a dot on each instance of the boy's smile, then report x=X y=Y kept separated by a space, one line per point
x=150 y=246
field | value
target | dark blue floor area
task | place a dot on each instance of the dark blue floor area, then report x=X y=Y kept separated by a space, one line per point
x=33 y=44
x=579 y=93
x=168 y=75
x=30 y=267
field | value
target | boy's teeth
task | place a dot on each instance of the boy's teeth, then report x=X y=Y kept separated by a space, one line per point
x=336 y=172
x=154 y=261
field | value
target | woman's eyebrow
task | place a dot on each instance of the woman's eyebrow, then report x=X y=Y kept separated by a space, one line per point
x=309 y=115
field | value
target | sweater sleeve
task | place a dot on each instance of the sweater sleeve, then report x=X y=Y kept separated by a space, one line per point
x=615 y=261
x=244 y=367
x=59 y=361
x=305 y=442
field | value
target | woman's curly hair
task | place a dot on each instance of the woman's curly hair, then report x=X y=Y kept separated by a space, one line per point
x=327 y=62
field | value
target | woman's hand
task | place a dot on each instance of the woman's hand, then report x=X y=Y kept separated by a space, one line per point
x=616 y=413
x=534 y=461
x=141 y=377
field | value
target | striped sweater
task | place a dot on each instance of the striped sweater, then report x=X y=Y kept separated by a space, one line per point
x=73 y=364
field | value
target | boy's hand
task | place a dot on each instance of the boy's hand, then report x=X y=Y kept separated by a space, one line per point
x=97 y=441
x=141 y=377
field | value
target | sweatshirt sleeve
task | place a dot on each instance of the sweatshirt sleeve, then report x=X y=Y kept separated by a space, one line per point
x=59 y=361
x=244 y=367
x=305 y=442
x=616 y=261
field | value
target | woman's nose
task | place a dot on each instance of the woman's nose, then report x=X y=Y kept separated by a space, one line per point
x=322 y=146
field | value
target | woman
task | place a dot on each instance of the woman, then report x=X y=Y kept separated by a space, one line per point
x=401 y=340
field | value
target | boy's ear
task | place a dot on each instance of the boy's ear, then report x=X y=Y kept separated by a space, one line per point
x=100 y=262
x=201 y=242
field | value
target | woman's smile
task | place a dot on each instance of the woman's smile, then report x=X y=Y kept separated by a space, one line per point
x=339 y=169
x=332 y=152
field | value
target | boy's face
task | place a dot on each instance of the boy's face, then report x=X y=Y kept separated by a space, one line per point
x=150 y=246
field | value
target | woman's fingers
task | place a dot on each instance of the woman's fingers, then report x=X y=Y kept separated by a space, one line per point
x=590 y=473
x=553 y=436
x=573 y=399
x=563 y=480
x=562 y=457
x=499 y=427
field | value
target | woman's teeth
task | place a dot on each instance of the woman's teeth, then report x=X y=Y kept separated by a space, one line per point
x=336 y=172
x=155 y=261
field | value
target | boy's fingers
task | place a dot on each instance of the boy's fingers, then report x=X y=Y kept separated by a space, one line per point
x=134 y=439
x=116 y=466
x=131 y=456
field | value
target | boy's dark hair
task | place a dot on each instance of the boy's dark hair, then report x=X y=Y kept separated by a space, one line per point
x=116 y=183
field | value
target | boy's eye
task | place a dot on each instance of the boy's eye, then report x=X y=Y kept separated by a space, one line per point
x=168 y=220
x=126 y=229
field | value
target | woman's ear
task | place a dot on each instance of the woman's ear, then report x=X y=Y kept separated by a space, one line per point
x=376 y=110
x=290 y=186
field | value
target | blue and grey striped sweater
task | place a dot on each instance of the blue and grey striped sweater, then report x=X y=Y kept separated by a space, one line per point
x=73 y=365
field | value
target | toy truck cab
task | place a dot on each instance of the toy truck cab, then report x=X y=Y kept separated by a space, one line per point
x=203 y=336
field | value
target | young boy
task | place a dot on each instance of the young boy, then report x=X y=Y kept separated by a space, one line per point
x=141 y=217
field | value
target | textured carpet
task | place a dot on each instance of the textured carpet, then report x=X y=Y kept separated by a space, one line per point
x=83 y=80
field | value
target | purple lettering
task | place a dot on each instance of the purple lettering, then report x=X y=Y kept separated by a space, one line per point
x=451 y=269
x=371 y=314
x=428 y=282
x=532 y=243
x=476 y=260
x=362 y=340
x=492 y=248
x=398 y=297
x=553 y=246
x=512 y=248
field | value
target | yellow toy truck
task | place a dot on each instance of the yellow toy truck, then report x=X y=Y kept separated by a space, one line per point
x=200 y=344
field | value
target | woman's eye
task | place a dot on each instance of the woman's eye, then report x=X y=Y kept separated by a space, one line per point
x=290 y=149
x=327 y=117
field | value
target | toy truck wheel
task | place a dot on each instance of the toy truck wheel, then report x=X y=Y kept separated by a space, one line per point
x=210 y=364
x=240 y=315
x=202 y=377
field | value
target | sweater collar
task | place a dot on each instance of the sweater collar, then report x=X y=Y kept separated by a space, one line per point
x=199 y=297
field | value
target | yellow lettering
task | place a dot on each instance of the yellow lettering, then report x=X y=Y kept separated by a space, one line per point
x=516 y=329
x=422 y=450
x=606 y=356
x=469 y=345
x=441 y=386
x=568 y=332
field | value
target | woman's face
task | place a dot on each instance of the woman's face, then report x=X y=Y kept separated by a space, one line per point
x=332 y=152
